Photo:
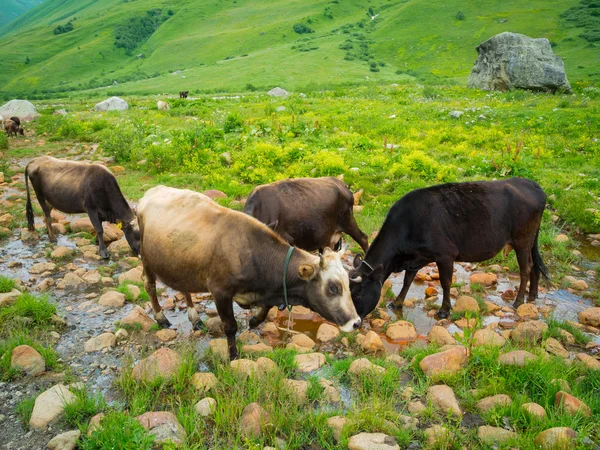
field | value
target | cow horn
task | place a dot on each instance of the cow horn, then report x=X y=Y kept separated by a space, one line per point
x=356 y=280
x=322 y=262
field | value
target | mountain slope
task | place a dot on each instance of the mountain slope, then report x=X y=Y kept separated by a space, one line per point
x=228 y=44
x=14 y=8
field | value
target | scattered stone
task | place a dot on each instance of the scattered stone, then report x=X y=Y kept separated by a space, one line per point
x=590 y=316
x=330 y=391
x=515 y=358
x=42 y=267
x=372 y=343
x=571 y=404
x=529 y=332
x=327 y=332
x=121 y=334
x=553 y=346
x=95 y=344
x=206 y=407
x=534 y=410
x=45 y=284
x=22 y=109
x=112 y=299
x=71 y=281
x=488 y=403
x=443 y=398
x=398 y=360
x=440 y=335
x=220 y=348
x=253 y=419
x=61 y=253
x=465 y=303
x=527 y=311
x=243 y=367
x=65 y=441
x=303 y=340
x=261 y=347
x=561 y=238
x=299 y=388
x=204 y=381
x=416 y=407
x=269 y=329
x=444 y=363
x=49 y=406
x=112 y=104
x=134 y=291
x=401 y=331
x=337 y=423
x=278 y=92
x=163 y=363
x=372 y=441
x=588 y=360
x=363 y=366
x=110 y=231
x=29 y=236
x=559 y=438
x=214 y=325
x=139 y=315
x=491 y=435
x=134 y=275
x=27 y=359
x=437 y=436
x=166 y=334
x=164 y=426
x=485 y=279
x=485 y=336
x=456 y=114
x=408 y=423
x=309 y=362
x=8 y=298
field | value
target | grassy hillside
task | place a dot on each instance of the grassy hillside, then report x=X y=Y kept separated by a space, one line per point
x=231 y=44
x=14 y=8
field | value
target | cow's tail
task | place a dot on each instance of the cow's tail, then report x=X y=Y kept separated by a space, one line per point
x=538 y=263
x=28 y=207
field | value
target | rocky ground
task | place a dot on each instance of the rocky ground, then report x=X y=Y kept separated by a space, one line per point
x=103 y=328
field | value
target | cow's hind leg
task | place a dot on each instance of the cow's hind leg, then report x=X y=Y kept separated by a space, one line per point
x=445 y=268
x=46 y=208
x=150 y=285
x=351 y=229
x=224 y=304
x=97 y=223
x=192 y=313
x=525 y=265
x=409 y=277
x=259 y=317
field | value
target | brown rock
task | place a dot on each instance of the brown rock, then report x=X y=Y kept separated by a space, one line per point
x=61 y=253
x=164 y=426
x=261 y=347
x=509 y=295
x=363 y=366
x=243 y=367
x=327 y=332
x=253 y=420
x=213 y=193
x=571 y=404
x=163 y=363
x=112 y=299
x=83 y=224
x=465 y=303
x=590 y=316
x=372 y=441
x=486 y=279
x=528 y=332
x=111 y=233
x=138 y=315
x=438 y=436
x=440 y=335
x=42 y=267
x=214 y=325
x=534 y=410
x=65 y=441
x=220 y=348
x=559 y=438
x=515 y=358
x=27 y=359
x=166 y=334
x=553 y=346
x=49 y=406
x=488 y=403
x=485 y=336
x=588 y=360
x=95 y=344
x=491 y=435
x=444 y=363
x=337 y=423
x=303 y=340
x=443 y=398
x=134 y=275
x=330 y=391
x=204 y=381
x=527 y=311
x=401 y=331
x=309 y=362
x=299 y=388
x=372 y=343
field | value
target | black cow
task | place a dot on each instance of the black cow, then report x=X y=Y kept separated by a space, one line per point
x=183 y=94
x=76 y=187
x=309 y=213
x=453 y=222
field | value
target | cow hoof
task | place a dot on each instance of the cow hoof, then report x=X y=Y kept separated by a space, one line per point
x=441 y=314
x=253 y=323
x=396 y=306
x=162 y=320
x=194 y=318
x=515 y=305
x=104 y=254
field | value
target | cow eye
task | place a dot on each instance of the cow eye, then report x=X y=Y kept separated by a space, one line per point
x=334 y=289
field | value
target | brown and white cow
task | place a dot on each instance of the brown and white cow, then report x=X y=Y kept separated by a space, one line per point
x=77 y=187
x=310 y=213
x=13 y=128
x=193 y=244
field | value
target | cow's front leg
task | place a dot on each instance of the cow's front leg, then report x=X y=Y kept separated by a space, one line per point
x=259 y=317
x=224 y=303
x=97 y=223
x=192 y=313
x=409 y=277
x=525 y=265
x=150 y=286
x=445 y=269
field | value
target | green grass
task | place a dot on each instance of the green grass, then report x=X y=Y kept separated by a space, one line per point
x=79 y=411
x=6 y=284
x=35 y=307
x=228 y=45
x=118 y=430
x=14 y=339
x=141 y=299
x=24 y=410
x=553 y=331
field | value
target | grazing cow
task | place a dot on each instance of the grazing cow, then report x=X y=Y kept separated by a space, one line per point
x=310 y=213
x=76 y=187
x=183 y=94
x=469 y=222
x=16 y=120
x=12 y=128
x=162 y=106
x=193 y=244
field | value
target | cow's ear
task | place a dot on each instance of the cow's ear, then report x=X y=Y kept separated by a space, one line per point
x=306 y=271
x=357 y=261
x=273 y=225
x=377 y=273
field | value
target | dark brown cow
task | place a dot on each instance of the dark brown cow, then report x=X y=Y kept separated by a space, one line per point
x=453 y=222
x=193 y=244
x=310 y=213
x=183 y=94
x=13 y=128
x=76 y=187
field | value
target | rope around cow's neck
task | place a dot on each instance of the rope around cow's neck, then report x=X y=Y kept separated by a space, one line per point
x=285 y=269
x=368 y=265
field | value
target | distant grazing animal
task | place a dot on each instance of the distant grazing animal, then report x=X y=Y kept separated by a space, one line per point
x=12 y=128
x=76 y=187
x=310 y=213
x=183 y=94
x=163 y=106
x=16 y=120
x=453 y=222
x=193 y=244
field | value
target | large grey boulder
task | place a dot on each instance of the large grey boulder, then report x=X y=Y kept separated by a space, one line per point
x=278 y=92
x=22 y=109
x=112 y=104
x=515 y=61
